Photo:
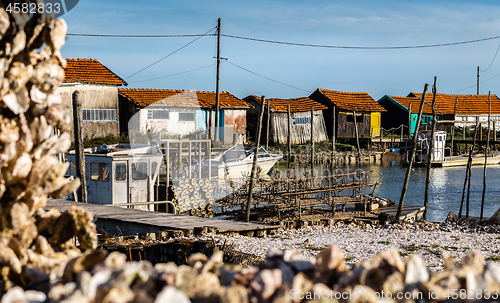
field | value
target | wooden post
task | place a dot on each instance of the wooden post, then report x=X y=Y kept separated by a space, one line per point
x=465 y=184
x=79 y=148
x=409 y=121
x=357 y=135
x=431 y=147
x=254 y=163
x=392 y=137
x=312 y=140
x=470 y=169
x=289 y=137
x=217 y=84
x=412 y=156
x=480 y=134
x=486 y=155
x=453 y=127
x=333 y=137
x=268 y=123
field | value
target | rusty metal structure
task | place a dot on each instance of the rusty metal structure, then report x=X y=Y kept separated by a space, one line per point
x=293 y=196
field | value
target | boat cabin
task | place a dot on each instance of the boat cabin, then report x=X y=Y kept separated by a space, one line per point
x=423 y=145
x=120 y=174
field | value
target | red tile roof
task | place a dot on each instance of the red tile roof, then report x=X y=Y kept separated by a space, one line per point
x=301 y=104
x=415 y=104
x=466 y=105
x=184 y=98
x=90 y=71
x=358 y=101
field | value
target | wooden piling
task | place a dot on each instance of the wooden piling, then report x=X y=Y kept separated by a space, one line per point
x=289 y=137
x=333 y=138
x=412 y=156
x=312 y=140
x=486 y=156
x=79 y=148
x=465 y=185
x=357 y=136
x=268 y=123
x=409 y=121
x=470 y=170
x=255 y=157
x=431 y=147
x=453 y=126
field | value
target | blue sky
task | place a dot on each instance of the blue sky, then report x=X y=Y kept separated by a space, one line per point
x=344 y=23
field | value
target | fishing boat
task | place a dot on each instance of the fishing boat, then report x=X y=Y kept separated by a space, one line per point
x=236 y=162
x=441 y=155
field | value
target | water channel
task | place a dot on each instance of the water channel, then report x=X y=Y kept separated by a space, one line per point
x=445 y=189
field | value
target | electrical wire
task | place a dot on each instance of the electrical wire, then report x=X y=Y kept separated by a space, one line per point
x=247 y=70
x=137 y=36
x=171 y=53
x=289 y=43
x=492 y=60
x=185 y=72
x=459 y=90
x=361 y=47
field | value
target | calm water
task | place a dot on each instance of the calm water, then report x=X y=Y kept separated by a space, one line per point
x=445 y=189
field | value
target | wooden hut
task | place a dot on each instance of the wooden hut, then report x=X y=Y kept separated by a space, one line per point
x=469 y=107
x=182 y=112
x=98 y=87
x=344 y=105
x=300 y=114
x=404 y=111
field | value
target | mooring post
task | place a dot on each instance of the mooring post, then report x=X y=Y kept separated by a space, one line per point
x=453 y=127
x=333 y=138
x=255 y=157
x=268 y=123
x=79 y=148
x=289 y=136
x=431 y=147
x=486 y=156
x=470 y=169
x=312 y=140
x=412 y=156
x=465 y=185
x=357 y=135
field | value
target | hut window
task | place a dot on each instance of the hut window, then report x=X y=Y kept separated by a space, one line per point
x=72 y=168
x=140 y=171
x=186 y=117
x=120 y=172
x=302 y=120
x=99 y=115
x=99 y=171
x=359 y=118
x=158 y=114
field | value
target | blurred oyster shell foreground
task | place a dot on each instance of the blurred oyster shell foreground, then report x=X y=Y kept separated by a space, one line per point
x=40 y=263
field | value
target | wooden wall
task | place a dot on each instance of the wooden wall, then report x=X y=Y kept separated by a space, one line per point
x=300 y=133
x=346 y=128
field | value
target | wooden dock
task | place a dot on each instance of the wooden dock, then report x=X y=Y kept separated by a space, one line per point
x=121 y=221
x=462 y=160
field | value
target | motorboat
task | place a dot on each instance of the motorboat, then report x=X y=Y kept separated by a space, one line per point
x=236 y=162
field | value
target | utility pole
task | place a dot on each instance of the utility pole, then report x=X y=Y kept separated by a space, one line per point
x=216 y=128
x=478 y=80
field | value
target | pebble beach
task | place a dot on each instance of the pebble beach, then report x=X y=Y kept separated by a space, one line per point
x=361 y=243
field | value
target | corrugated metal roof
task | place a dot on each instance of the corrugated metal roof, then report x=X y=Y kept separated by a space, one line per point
x=358 y=101
x=90 y=71
x=467 y=104
x=183 y=98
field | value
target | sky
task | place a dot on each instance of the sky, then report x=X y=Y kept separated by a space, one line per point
x=289 y=71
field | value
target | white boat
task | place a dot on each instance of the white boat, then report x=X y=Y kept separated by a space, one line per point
x=236 y=162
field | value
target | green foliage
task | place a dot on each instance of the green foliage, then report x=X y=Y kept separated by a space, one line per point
x=98 y=141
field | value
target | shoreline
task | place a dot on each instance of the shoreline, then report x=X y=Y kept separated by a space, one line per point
x=428 y=240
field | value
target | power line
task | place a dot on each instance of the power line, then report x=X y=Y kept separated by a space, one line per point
x=361 y=47
x=288 y=43
x=185 y=72
x=171 y=53
x=459 y=90
x=267 y=77
x=492 y=60
x=137 y=36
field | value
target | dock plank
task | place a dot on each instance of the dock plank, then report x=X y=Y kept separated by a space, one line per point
x=163 y=220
